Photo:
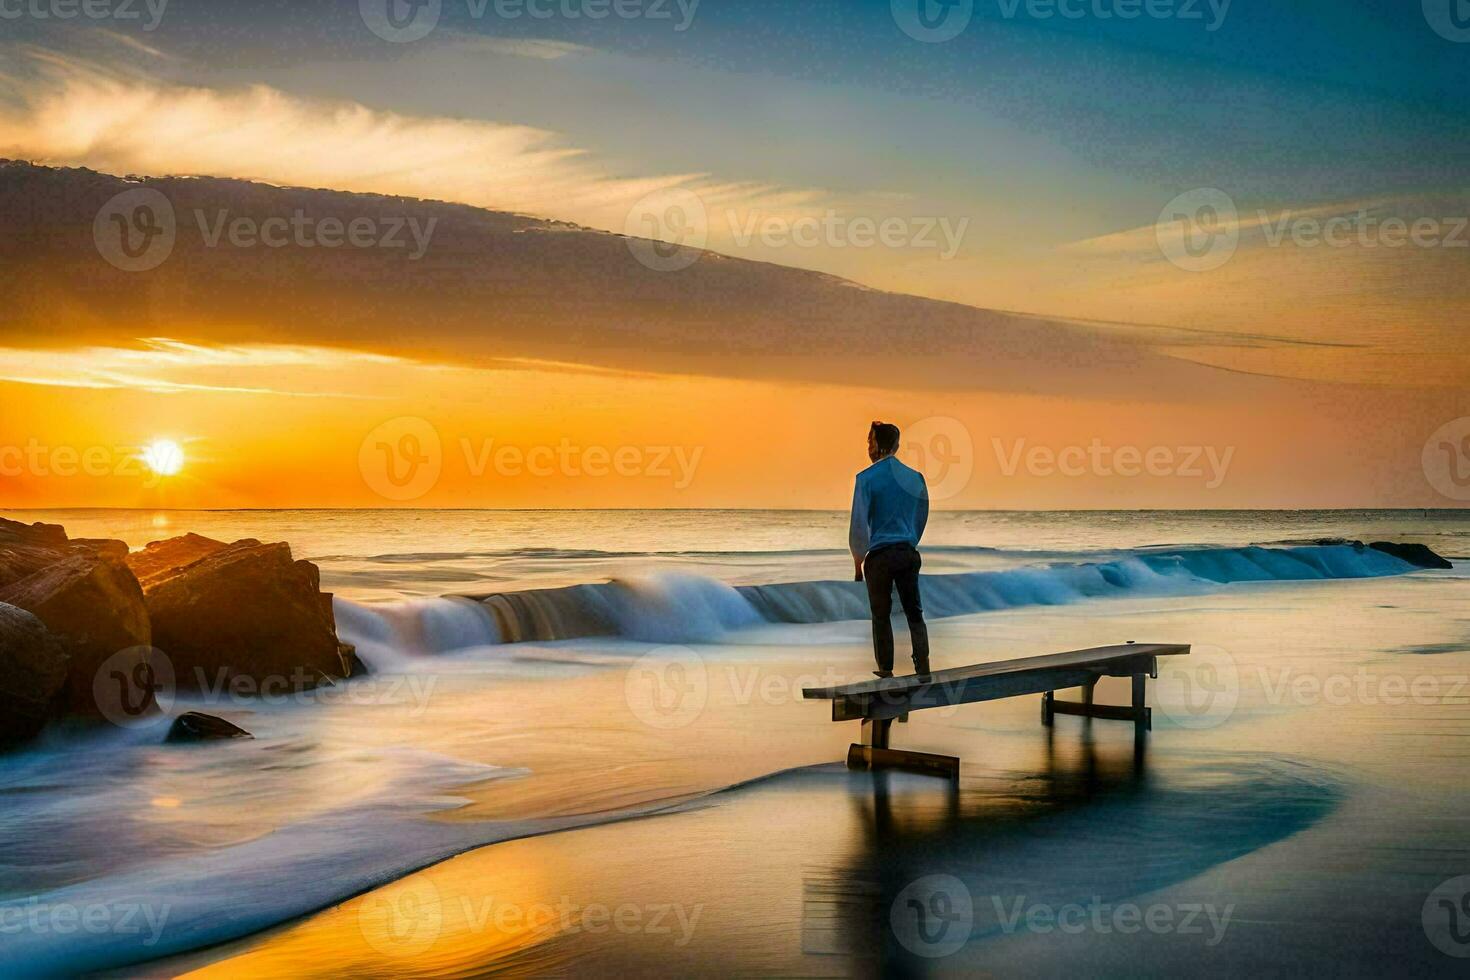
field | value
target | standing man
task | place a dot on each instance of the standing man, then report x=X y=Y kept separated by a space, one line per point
x=890 y=506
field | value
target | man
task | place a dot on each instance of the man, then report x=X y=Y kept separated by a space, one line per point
x=890 y=506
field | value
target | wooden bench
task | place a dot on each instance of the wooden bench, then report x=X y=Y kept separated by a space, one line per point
x=876 y=703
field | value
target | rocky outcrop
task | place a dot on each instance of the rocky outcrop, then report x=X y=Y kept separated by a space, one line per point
x=194 y=726
x=223 y=613
x=87 y=598
x=1414 y=554
x=33 y=668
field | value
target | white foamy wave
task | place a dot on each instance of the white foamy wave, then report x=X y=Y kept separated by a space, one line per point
x=685 y=608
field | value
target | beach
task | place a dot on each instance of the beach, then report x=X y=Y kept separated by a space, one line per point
x=666 y=803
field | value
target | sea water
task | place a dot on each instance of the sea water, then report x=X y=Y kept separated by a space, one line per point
x=536 y=672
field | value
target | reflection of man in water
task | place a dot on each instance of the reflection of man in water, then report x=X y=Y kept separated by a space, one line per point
x=890 y=506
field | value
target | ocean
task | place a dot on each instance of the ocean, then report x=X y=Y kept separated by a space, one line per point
x=613 y=700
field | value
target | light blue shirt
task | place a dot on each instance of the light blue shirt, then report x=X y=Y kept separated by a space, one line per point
x=890 y=505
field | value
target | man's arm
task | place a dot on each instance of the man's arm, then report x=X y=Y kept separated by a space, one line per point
x=921 y=516
x=857 y=531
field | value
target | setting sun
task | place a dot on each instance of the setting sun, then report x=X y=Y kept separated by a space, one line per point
x=164 y=457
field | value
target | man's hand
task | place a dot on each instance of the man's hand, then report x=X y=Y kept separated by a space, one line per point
x=858 y=571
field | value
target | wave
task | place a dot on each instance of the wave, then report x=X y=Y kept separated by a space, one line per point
x=687 y=608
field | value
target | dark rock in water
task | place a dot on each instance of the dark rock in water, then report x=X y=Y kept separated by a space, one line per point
x=33 y=668
x=1414 y=554
x=84 y=594
x=161 y=559
x=352 y=664
x=193 y=726
x=243 y=614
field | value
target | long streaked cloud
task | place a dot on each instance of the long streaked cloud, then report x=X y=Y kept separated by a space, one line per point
x=66 y=110
x=160 y=365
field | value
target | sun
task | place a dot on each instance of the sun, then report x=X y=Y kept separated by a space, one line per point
x=164 y=457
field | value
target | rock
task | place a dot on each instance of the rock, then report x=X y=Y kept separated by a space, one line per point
x=161 y=559
x=33 y=669
x=242 y=612
x=93 y=604
x=1414 y=554
x=194 y=726
x=352 y=664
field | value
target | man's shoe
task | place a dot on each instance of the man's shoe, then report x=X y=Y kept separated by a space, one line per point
x=921 y=668
x=883 y=674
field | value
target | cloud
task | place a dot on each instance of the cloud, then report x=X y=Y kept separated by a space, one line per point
x=65 y=110
x=156 y=364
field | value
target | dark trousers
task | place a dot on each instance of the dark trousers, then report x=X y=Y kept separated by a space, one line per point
x=883 y=569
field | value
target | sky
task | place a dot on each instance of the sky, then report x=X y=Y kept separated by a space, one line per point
x=1275 y=191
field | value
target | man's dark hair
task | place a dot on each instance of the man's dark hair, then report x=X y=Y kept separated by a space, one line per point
x=886 y=435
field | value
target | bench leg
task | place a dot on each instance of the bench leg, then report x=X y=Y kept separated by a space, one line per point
x=875 y=732
x=1047 y=715
x=1142 y=715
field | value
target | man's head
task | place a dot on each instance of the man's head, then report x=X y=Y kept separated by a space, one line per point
x=882 y=440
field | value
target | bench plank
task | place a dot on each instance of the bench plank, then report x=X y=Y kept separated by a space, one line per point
x=951 y=679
